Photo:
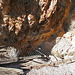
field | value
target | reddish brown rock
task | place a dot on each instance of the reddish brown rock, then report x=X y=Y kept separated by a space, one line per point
x=27 y=23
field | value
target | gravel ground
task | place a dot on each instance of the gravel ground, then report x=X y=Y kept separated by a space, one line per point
x=65 y=69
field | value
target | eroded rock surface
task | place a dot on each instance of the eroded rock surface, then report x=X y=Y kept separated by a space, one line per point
x=10 y=71
x=25 y=24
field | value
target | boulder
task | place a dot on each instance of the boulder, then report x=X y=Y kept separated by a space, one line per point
x=25 y=24
x=65 y=45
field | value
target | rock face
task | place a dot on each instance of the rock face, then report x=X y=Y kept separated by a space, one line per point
x=73 y=4
x=25 y=24
x=65 y=46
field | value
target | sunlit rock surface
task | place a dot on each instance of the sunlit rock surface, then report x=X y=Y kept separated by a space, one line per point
x=65 y=46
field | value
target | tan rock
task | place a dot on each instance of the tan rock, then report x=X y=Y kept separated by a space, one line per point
x=10 y=71
x=65 y=46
